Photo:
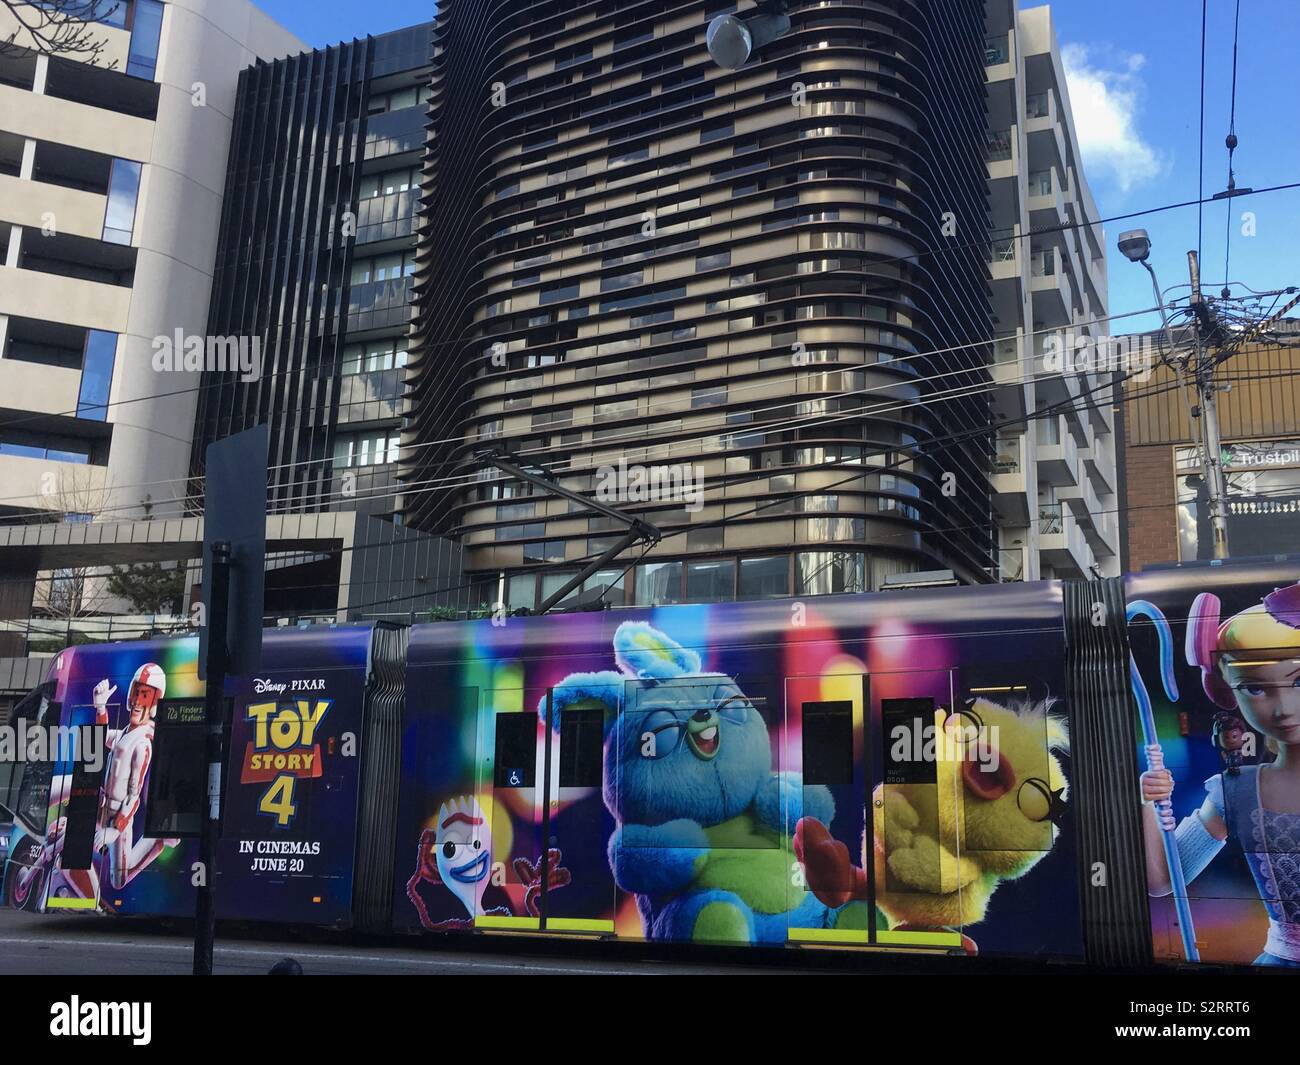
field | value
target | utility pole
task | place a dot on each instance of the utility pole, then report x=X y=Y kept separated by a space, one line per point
x=1207 y=330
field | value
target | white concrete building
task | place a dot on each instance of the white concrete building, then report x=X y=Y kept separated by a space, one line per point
x=1055 y=487
x=111 y=183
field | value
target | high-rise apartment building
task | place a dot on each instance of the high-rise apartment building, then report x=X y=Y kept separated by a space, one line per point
x=773 y=278
x=1054 y=478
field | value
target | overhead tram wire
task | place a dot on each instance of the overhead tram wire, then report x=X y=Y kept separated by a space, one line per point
x=460 y=439
x=943 y=442
x=1231 y=143
x=945 y=249
x=468 y=480
x=1200 y=143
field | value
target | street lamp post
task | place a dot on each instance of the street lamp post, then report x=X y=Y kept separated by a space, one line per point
x=1135 y=245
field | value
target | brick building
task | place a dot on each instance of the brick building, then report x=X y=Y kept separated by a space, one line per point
x=1165 y=515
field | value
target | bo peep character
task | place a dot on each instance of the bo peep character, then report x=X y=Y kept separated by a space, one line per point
x=1250 y=664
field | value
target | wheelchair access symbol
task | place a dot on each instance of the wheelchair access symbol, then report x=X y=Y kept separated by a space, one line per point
x=515 y=778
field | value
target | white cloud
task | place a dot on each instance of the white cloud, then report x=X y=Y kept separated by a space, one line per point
x=1105 y=101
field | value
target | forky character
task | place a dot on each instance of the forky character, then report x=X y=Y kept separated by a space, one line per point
x=457 y=854
x=130 y=751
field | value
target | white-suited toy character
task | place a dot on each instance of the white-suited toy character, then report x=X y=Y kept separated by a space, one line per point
x=130 y=752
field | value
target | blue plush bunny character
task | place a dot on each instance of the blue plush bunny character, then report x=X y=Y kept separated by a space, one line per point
x=688 y=777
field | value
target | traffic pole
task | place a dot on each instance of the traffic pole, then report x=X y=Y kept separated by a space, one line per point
x=214 y=703
x=1207 y=391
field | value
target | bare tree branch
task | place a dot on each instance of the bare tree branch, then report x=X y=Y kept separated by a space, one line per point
x=57 y=27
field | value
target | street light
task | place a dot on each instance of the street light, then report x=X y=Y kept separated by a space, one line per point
x=1135 y=246
x=732 y=40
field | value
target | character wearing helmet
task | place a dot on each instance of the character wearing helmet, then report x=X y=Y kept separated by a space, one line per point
x=130 y=751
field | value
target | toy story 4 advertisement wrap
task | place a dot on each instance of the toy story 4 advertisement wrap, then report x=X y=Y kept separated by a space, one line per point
x=1216 y=674
x=121 y=832
x=676 y=806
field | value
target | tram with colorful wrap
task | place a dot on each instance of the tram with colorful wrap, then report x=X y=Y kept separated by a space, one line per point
x=1102 y=771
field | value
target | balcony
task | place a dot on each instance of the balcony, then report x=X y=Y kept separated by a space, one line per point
x=1100 y=464
x=1061 y=542
x=67 y=300
x=1004 y=259
x=1011 y=564
x=1046 y=200
x=999 y=57
x=1058 y=454
x=1053 y=293
x=1009 y=482
x=1010 y=375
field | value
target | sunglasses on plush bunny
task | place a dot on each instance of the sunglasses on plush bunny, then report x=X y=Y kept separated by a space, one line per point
x=669 y=727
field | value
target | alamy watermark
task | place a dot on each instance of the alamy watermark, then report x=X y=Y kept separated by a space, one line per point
x=1134 y=356
x=27 y=742
x=212 y=354
x=676 y=483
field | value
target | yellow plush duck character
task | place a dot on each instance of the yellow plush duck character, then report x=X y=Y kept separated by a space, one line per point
x=942 y=848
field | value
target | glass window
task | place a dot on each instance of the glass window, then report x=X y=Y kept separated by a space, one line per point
x=177 y=802
x=96 y=375
x=608 y=583
x=581 y=747
x=831 y=572
x=658 y=582
x=764 y=578
x=146 y=30
x=827 y=743
x=553 y=582
x=352 y=358
x=123 y=191
x=711 y=582
x=521 y=591
x=515 y=762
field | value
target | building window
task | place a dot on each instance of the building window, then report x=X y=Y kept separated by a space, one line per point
x=123 y=191
x=383 y=268
x=146 y=31
x=366 y=449
x=713 y=581
x=709 y=396
x=544 y=551
x=96 y=375
x=830 y=572
x=764 y=578
x=375 y=356
x=658 y=582
x=373 y=185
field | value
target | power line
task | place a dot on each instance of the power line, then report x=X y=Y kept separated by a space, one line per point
x=632 y=434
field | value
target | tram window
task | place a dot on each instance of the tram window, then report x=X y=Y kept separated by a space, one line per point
x=176 y=799
x=32 y=805
x=516 y=750
x=828 y=743
x=82 y=805
x=907 y=724
x=581 y=744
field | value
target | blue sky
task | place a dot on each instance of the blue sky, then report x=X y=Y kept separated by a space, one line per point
x=1134 y=84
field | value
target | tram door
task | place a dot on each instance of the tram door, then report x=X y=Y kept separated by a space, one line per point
x=826 y=742
x=545 y=825
x=890 y=847
x=917 y=872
